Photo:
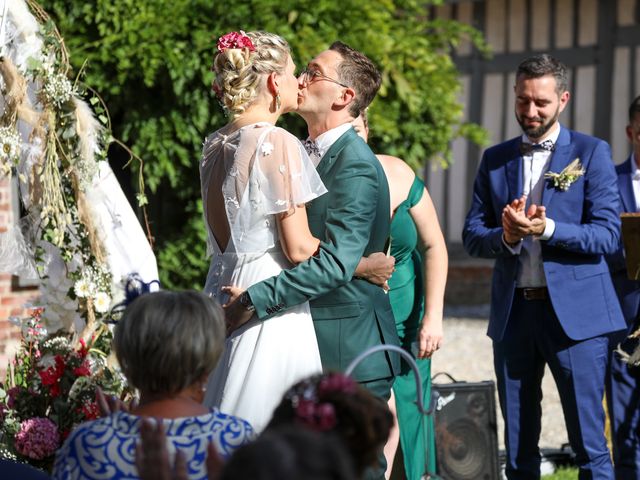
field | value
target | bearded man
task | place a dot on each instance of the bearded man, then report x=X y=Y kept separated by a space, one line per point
x=545 y=206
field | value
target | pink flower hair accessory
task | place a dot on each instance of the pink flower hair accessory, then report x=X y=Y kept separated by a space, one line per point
x=310 y=404
x=235 y=40
x=336 y=382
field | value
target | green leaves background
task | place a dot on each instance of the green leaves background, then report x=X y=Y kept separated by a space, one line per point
x=150 y=61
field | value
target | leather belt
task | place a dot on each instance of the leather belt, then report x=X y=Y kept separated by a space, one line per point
x=534 y=293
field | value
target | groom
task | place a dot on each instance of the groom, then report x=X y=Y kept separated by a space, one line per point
x=351 y=221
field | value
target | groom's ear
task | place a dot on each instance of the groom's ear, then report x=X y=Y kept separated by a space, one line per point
x=347 y=95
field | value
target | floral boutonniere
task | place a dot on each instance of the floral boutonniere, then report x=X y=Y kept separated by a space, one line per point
x=564 y=179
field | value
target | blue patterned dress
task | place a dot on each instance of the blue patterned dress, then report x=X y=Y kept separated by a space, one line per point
x=105 y=448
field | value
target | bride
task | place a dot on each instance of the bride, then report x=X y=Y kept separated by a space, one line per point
x=255 y=180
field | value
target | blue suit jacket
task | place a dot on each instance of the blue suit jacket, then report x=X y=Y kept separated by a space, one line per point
x=587 y=228
x=628 y=290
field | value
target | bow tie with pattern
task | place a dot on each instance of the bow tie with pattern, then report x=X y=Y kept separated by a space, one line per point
x=311 y=147
x=547 y=145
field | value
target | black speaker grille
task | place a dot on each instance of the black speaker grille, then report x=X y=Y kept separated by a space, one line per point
x=466 y=439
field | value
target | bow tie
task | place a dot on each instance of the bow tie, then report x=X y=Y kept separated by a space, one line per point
x=312 y=148
x=547 y=145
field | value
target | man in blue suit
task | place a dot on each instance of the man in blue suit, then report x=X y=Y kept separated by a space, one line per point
x=545 y=206
x=623 y=382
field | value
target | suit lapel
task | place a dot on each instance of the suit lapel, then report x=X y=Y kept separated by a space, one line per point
x=560 y=158
x=514 y=171
x=329 y=158
x=626 y=188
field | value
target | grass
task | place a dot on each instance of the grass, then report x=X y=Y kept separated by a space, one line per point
x=562 y=474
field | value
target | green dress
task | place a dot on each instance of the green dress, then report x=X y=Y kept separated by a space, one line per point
x=417 y=432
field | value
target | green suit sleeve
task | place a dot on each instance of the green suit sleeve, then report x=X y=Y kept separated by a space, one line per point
x=350 y=216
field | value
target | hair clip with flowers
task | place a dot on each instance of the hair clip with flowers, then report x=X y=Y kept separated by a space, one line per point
x=309 y=402
x=235 y=40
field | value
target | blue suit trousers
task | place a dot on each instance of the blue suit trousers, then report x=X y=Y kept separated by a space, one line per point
x=533 y=338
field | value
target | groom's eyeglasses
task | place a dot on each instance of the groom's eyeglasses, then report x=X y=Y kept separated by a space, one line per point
x=308 y=75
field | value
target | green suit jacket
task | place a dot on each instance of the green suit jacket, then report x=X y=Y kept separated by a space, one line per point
x=351 y=221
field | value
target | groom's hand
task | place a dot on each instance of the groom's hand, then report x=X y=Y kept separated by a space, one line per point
x=376 y=268
x=236 y=314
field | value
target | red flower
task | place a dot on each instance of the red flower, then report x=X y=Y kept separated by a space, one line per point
x=82 y=350
x=55 y=390
x=90 y=410
x=51 y=376
x=83 y=370
x=235 y=40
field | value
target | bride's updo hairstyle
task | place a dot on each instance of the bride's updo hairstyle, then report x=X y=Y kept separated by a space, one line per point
x=242 y=62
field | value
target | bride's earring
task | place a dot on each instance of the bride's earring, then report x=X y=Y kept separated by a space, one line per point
x=278 y=101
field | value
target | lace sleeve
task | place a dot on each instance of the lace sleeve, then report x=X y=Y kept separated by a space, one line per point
x=285 y=174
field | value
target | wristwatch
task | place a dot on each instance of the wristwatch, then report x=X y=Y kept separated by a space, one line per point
x=245 y=301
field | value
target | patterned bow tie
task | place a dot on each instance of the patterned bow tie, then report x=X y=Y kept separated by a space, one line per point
x=312 y=148
x=547 y=145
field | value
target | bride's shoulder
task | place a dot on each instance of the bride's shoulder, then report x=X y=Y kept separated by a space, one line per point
x=284 y=137
x=213 y=138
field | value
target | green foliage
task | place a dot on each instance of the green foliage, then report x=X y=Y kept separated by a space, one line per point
x=150 y=61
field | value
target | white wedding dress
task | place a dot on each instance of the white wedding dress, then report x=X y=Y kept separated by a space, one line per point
x=256 y=172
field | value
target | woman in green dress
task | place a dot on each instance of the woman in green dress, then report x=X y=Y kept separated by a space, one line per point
x=416 y=291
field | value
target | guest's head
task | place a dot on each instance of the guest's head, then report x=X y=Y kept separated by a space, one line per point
x=169 y=341
x=254 y=67
x=544 y=65
x=361 y=125
x=541 y=94
x=336 y=405
x=290 y=452
x=633 y=128
x=338 y=84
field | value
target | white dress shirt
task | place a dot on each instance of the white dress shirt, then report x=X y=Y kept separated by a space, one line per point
x=325 y=140
x=635 y=181
x=535 y=164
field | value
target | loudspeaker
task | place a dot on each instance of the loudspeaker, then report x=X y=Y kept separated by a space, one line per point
x=466 y=438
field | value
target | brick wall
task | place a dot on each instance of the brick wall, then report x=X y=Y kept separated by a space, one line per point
x=12 y=295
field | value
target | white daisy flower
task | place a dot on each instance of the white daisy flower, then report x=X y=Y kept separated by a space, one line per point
x=102 y=302
x=83 y=288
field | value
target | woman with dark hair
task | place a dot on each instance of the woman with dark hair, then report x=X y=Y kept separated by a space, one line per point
x=291 y=452
x=335 y=405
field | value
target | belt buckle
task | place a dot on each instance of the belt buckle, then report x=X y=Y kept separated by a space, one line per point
x=534 y=293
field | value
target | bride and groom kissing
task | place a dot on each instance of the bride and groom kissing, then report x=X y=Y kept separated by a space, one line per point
x=294 y=236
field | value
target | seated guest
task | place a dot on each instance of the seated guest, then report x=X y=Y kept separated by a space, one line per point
x=290 y=452
x=335 y=404
x=167 y=343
